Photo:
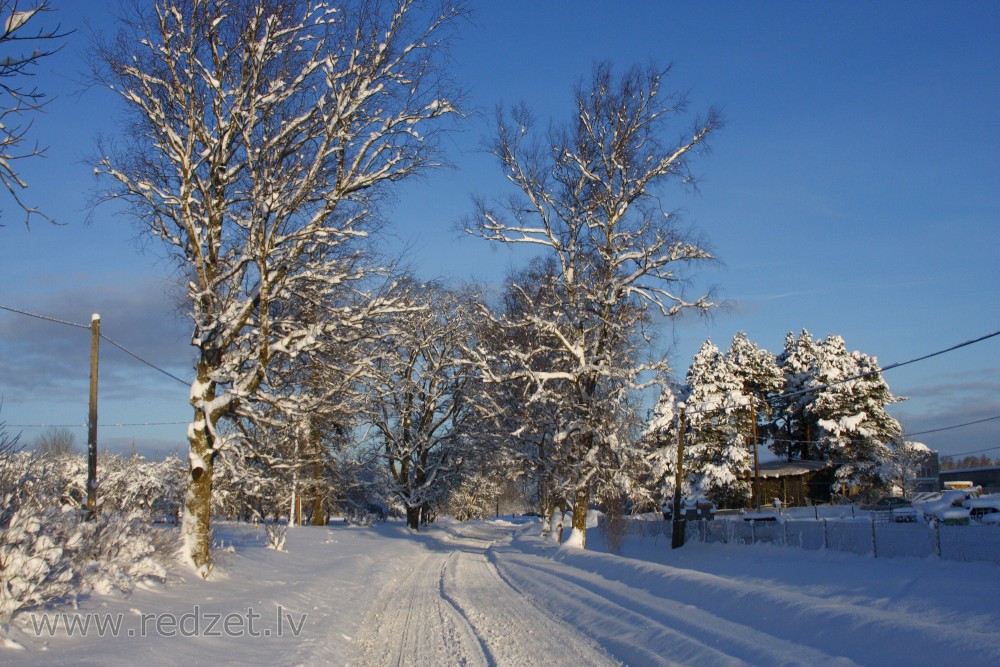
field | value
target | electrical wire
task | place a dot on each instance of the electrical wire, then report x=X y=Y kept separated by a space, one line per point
x=44 y=317
x=110 y=340
x=948 y=428
x=977 y=451
x=99 y=425
x=148 y=363
x=691 y=412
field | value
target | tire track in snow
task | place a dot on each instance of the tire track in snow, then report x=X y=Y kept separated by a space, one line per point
x=412 y=625
x=626 y=619
x=453 y=608
x=719 y=610
x=513 y=630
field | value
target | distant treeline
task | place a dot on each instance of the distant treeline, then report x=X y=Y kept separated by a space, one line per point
x=953 y=463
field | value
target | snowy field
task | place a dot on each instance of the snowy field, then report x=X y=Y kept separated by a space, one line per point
x=492 y=593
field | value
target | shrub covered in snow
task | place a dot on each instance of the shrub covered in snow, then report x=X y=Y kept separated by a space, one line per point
x=35 y=566
x=50 y=550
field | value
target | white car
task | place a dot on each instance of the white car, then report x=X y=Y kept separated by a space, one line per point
x=933 y=509
x=980 y=508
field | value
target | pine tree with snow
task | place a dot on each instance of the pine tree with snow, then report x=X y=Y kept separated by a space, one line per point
x=792 y=426
x=761 y=379
x=855 y=428
x=716 y=452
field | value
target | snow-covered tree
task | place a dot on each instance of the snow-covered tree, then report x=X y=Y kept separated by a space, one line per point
x=823 y=414
x=421 y=390
x=24 y=41
x=55 y=440
x=587 y=197
x=758 y=372
x=717 y=457
x=792 y=426
x=759 y=375
x=854 y=427
x=903 y=465
x=524 y=422
x=262 y=134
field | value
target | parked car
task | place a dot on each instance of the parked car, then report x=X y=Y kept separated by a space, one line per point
x=764 y=514
x=992 y=519
x=888 y=503
x=955 y=516
x=980 y=507
x=933 y=510
x=692 y=509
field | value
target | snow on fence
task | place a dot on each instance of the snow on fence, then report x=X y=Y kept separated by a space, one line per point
x=975 y=542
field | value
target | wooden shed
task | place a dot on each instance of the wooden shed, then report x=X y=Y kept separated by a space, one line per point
x=796 y=483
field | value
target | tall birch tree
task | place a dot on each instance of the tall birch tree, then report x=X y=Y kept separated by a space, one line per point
x=588 y=196
x=261 y=136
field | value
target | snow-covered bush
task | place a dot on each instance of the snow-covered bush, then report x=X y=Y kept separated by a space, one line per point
x=117 y=550
x=276 y=534
x=50 y=550
x=35 y=566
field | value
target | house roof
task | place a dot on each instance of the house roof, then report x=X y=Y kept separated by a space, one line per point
x=791 y=468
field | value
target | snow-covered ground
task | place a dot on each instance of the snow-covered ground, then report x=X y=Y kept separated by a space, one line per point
x=492 y=593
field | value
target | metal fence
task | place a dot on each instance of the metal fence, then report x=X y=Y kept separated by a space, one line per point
x=862 y=536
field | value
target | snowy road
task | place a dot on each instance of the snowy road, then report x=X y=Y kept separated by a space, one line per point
x=492 y=594
x=454 y=608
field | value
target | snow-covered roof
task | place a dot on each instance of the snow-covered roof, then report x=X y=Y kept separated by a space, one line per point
x=790 y=468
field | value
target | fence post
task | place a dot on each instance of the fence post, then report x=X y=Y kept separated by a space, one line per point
x=826 y=537
x=937 y=538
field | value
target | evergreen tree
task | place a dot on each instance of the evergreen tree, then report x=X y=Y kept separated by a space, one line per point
x=716 y=447
x=855 y=428
x=792 y=426
x=758 y=372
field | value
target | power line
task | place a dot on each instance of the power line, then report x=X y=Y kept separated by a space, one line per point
x=87 y=326
x=101 y=425
x=950 y=349
x=903 y=435
x=44 y=317
x=889 y=367
x=948 y=428
x=148 y=363
x=978 y=451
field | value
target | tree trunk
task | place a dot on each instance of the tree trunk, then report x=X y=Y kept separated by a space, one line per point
x=198 y=503
x=581 y=502
x=197 y=518
x=548 y=515
x=413 y=517
x=318 y=517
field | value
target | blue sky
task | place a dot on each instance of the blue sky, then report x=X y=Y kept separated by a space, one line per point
x=853 y=191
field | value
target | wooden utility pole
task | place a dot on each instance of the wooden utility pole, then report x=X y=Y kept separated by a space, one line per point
x=677 y=525
x=95 y=339
x=756 y=462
